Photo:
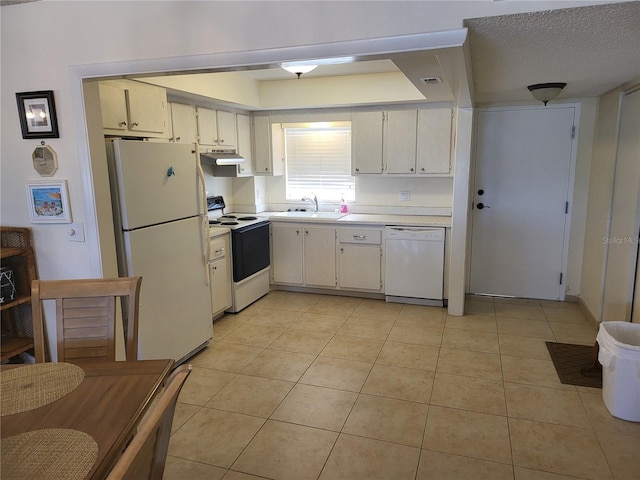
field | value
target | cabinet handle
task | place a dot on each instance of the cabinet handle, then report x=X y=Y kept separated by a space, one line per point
x=221 y=140
x=357 y=169
x=422 y=169
x=341 y=250
x=306 y=232
x=178 y=139
x=411 y=169
x=123 y=124
x=298 y=232
x=134 y=124
x=215 y=268
x=216 y=252
x=359 y=237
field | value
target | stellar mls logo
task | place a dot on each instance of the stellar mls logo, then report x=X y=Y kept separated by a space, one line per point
x=620 y=240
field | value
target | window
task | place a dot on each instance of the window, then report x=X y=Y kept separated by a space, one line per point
x=318 y=158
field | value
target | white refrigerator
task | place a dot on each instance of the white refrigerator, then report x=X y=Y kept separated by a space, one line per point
x=161 y=234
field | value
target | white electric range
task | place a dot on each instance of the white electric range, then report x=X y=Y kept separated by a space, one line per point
x=249 y=252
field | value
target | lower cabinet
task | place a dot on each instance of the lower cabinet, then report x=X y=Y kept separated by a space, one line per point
x=326 y=256
x=303 y=255
x=360 y=259
x=220 y=274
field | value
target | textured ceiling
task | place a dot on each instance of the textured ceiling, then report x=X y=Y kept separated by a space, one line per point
x=593 y=49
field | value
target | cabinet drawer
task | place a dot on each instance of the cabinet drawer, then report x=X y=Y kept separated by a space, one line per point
x=218 y=247
x=360 y=235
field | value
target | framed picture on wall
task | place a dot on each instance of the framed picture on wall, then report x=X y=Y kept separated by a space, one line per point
x=48 y=202
x=37 y=112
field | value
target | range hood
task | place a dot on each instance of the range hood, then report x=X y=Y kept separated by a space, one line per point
x=221 y=157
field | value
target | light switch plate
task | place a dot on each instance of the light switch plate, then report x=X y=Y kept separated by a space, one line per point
x=405 y=196
x=75 y=232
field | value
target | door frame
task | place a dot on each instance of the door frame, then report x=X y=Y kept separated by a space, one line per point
x=570 y=187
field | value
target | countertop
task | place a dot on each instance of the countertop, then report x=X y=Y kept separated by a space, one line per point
x=368 y=219
x=405 y=220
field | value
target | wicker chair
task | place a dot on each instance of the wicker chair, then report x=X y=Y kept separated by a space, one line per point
x=146 y=455
x=85 y=317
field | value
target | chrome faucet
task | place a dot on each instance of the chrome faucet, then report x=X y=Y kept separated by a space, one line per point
x=314 y=200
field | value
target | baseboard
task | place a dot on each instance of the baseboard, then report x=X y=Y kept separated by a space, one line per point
x=587 y=312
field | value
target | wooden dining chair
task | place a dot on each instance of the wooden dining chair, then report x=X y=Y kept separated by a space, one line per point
x=146 y=455
x=85 y=317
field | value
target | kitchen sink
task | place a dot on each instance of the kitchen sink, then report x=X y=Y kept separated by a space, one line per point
x=308 y=215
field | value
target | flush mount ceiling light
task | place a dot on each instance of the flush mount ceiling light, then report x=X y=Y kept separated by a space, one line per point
x=307 y=65
x=298 y=68
x=546 y=91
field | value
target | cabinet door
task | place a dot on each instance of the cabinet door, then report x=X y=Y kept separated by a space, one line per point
x=366 y=142
x=320 y=256
x=183 y=123
x=207 y=126
x=360 y=267
x=434 y=141
x=220 y=285
x=277 y=149
x=114 y=106
x=226 y=128
x=400 y=141
x=147 y=106
x=286 y=253
x=262 y=144
x=244 y=144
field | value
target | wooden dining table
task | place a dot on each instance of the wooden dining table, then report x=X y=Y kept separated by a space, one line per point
x=107 y=404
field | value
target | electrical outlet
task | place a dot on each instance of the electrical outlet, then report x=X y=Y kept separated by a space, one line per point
x=405 y=196
x=75 y=232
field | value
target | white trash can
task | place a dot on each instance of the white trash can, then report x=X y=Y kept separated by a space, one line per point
x=619 y=355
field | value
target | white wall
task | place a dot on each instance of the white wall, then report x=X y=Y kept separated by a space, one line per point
x=599 y=200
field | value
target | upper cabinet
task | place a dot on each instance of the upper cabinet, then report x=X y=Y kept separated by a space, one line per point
x=133 y=109
x=268 y=146
x=243 y=124
x=183 y=123
x=366 y=142
x=216 y=128
x=402 y=142
x=435 y=128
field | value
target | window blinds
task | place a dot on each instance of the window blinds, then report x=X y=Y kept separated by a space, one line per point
x=319 y=160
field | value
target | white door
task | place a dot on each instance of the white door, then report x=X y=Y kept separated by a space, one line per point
x=156 y=182
x=521 y=195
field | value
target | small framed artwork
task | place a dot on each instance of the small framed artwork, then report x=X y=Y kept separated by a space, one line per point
x=48 y=202
x=37 y=112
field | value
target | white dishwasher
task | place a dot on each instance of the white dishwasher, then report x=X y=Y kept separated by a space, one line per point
x=414 y=265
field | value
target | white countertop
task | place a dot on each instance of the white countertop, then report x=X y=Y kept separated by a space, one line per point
x=407 y=220
x=218 y=231
x=368 y=219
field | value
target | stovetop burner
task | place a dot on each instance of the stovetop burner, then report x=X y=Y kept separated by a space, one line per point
x=247 y=218
x=230 y=217
x=228 y=223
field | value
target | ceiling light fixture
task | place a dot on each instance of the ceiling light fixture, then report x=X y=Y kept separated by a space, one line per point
x=298 y=68
x=546 y=91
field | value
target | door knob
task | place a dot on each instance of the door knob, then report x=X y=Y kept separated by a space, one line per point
x=480 y=192
x=481 y=205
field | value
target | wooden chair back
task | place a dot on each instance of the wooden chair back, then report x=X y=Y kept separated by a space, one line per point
x=146 y=455
x=85 y=317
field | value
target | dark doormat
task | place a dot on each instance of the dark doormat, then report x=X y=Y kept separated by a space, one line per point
x=574 y=364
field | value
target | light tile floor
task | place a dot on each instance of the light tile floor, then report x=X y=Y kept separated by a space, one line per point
x=301 y=386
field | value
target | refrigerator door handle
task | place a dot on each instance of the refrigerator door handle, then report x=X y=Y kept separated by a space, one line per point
x=204 y=219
